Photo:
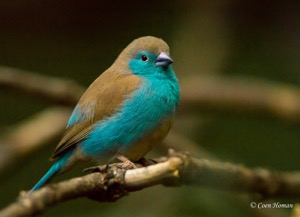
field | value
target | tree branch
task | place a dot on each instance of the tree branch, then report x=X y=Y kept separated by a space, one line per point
x=241 y=96
x=217 y=94
x=29 y=135
x=56 y=90
x=111 y=184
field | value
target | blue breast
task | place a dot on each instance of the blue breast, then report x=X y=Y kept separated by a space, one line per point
x=155 y=100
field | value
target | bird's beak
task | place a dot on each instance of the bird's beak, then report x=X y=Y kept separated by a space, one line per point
x=163 y=59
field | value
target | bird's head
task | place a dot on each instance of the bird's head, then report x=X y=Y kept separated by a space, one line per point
x=147 y=56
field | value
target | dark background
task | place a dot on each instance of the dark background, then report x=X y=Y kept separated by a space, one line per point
x=80 y=39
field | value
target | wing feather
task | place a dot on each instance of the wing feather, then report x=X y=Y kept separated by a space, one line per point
x=103 y=98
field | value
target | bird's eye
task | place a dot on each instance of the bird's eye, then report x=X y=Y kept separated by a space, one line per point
x=144 y=58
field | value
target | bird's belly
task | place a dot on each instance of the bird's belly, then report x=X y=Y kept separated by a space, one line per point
x=144 y=145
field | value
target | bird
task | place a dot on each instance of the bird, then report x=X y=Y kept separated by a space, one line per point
x=124 y=113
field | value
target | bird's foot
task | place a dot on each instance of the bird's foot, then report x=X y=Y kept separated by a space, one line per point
x=183 y=155
x=126 y=163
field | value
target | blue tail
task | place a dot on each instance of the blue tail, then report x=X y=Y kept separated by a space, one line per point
x=47 y=177
x=57 y=167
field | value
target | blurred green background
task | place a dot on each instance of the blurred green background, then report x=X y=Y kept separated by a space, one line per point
x=80 y=39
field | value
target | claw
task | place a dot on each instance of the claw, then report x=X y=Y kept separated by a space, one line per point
x=126 y=163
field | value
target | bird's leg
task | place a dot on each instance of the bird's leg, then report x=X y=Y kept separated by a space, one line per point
x=101 y=168
x=126 y=163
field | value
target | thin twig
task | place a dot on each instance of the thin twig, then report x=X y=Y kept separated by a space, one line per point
x=178 y=169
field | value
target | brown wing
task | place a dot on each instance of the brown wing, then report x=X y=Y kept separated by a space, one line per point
x=105 y=95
